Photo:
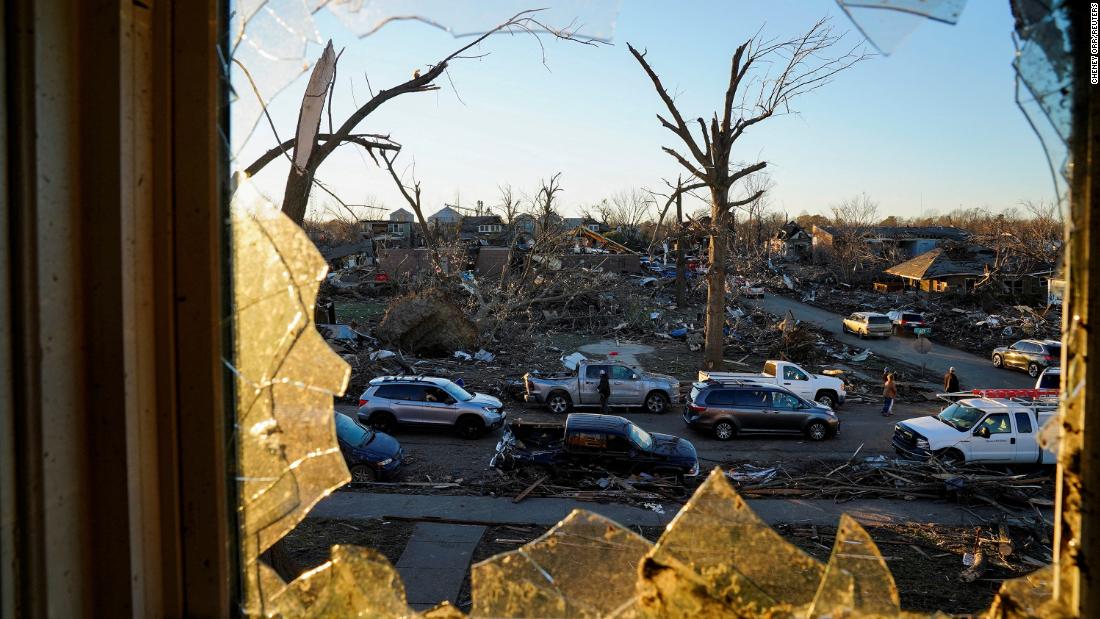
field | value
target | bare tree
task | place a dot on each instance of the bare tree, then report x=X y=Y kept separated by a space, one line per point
x=411 y=193
x=543 y=204
x=852 y=221
x=765 y=77
x=309 y=148
x=626 y=210
x=758 y=185
x=509 y=203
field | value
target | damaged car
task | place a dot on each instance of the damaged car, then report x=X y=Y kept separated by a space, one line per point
x=587 y=439
x=998 y=427
x=630 y=387
x=370 y=455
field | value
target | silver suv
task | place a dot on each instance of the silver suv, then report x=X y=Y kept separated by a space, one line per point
x=428 y=401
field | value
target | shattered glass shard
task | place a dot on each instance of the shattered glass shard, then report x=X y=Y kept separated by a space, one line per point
x=857 y=581
x=585 y=566
x=717 y=557
x=356 y=582
x=887 y=23
x=286 y=377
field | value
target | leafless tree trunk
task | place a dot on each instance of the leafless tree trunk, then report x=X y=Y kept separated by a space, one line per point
x=310 y=148
x=412 y=197
x=544 y=211
x=509 y=204
x=852 y=220
x=755 y=93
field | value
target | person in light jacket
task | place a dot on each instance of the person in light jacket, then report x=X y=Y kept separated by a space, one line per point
x=604 y=389
x=889 y=393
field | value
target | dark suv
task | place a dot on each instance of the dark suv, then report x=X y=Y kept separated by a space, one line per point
x=744 y=407
x=1031 y=355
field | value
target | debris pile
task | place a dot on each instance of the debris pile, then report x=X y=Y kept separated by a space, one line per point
x=961 y=323
x=879 y=477
x=426 y=322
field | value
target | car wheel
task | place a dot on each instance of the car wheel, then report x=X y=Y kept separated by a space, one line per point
x=826 y=398
x=1033 y=370
x=817 y=431
x=470 y=427
x=843 y=328
x=382 y=422
x=954 y=457
x=362 y=473
x=724 y=430
x=559 y=403
x=656 y=403
x=998 y=362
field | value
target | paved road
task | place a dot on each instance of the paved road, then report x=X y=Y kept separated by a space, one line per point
x=973 y=371
x=860 y=424
x=548 y=511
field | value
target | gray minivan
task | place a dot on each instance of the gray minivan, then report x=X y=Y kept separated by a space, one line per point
x=729 y=408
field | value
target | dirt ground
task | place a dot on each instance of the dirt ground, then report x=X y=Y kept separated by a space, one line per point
x=925 y=560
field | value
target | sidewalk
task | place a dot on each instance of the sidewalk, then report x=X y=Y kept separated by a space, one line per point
x=548 y=511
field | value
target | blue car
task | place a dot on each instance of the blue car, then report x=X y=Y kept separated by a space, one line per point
x=370 y=455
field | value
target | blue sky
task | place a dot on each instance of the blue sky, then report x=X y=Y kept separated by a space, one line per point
x=932 y=126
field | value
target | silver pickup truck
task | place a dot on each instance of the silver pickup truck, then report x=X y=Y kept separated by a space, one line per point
x=630 y=387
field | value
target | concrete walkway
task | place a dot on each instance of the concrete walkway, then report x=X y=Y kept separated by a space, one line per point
x=974 y=371
x=435 y=562
x=548 y=511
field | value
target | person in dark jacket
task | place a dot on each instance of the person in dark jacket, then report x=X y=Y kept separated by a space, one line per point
x=951 y=381
x=604 y=390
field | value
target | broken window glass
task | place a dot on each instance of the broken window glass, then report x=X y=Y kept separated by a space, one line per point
x=717 y=558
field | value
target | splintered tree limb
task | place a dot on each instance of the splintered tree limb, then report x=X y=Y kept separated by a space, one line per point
x=368 y=141
x=300 y=177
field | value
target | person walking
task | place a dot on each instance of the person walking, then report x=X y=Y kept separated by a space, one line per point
x=889 y=393
x=951 y=381
x=604 y=389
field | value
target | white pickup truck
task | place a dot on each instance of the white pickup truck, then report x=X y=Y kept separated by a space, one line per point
x=825 y=390
x=992 y=430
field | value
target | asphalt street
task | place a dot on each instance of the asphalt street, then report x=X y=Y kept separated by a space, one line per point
x=974 y=371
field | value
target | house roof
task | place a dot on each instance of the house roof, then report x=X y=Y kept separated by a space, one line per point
x=348 y=249
x=401 y=215
x=445 y=213
x=909 y=232
x=470 y=224
x=791 y=231
x=936 y=263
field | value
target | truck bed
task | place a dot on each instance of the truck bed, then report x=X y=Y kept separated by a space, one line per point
x=540 y=436
x=723 y=376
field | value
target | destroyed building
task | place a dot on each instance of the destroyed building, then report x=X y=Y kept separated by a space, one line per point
x=959 y=270
x=792 y=242
x=484 y=230
x=900 y=241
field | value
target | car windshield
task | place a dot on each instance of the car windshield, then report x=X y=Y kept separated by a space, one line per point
x=912 y=317
x=960 y=416
x=352 y=433
x=457 y=392
x=878 y=320
x=1054 y=350
x=640 y=437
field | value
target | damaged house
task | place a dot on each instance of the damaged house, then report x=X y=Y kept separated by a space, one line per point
x=792 y=242
x=963 y=269
x=900 y=242
x=484 y=230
